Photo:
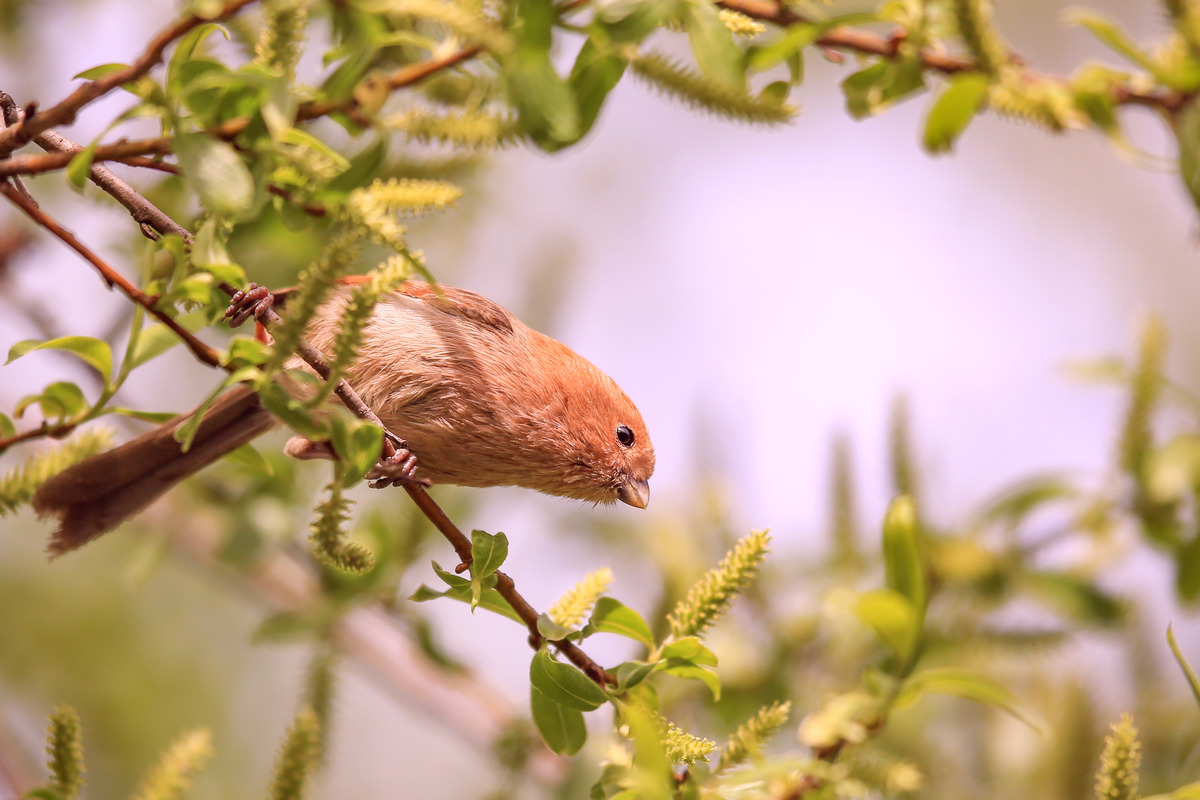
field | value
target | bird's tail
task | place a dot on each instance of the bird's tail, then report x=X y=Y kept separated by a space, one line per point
x=98 y=494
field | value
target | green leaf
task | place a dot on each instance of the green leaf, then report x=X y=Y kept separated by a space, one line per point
x=562 y=729
x=1074 y=596
x=564 y=683
x=902 y=563
x=460 y=589
x=293 y=412
x=94 y=352
x=1015 y=504
x=546 y=106
x=80 y=167
x=357 y=443
x=631 y=673
x=551 y=630
x=631 y=21
x=963 y=683
x=713 y=46
x=593 y=76
x=953 y=110
x=863 y=90
x=795 y=38
x=487 y=553
x=184 y=50
x=7 y=428
x=156 y=339
x=490 y=600
x=217 y=173
x=1188 y=133
x=871 y=90
x=66 y=396
x=892 y=616
x=101 y=71
x=612 y=616
x=1112 y=36
x=186 y=432
x=1187 y=570
x=250 y=459
x=363 y=169
x=246 y=351
x=798 y=36
x=1188 y=673
x=682 y=668
x=691 y=649
x=157 y=417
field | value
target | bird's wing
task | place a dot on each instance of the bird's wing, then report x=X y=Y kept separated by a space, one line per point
x=463 y=304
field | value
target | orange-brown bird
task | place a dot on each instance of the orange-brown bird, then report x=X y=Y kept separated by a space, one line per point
x=479 y=397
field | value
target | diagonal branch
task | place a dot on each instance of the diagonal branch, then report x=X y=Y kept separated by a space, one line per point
x=857 y=40
x=65 y=111
x=58 y=158
x=111 y=277
x=148 y=215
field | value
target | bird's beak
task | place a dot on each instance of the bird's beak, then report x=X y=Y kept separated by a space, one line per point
x=635 y=492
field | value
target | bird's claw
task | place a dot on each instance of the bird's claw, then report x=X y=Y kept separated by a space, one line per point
x=253 y=301
x=395 y=470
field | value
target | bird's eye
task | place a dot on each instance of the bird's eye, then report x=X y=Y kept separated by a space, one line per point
x=625 y=436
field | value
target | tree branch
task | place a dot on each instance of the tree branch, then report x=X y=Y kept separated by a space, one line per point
x=856 y=40
x=111 y=277
x=147 y=214
x=65 y=111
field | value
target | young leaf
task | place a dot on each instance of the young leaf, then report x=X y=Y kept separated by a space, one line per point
x=691 y=649
x=901 y=555
x=631 y=673
x=94 y=352
x=490 y=600
x=1193 y=681
x=551 y=630
x=1188 y=128
x=357 y=443
x=217 y=173
x=712 y=45
x=562 y=729
x=953 y=111
x=593 y=76
x=545 y=104
x=967 y=684
x=684 y=668
x=612 y=616
x=565 y=684
x=487 y=553
x=892 y=616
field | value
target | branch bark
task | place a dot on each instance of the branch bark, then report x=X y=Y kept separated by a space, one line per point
x=64 y=112
x=148 y=215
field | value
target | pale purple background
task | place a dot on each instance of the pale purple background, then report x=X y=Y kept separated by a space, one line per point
x=755 y=291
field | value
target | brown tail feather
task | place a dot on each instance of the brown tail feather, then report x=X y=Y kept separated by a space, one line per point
x=98 y=494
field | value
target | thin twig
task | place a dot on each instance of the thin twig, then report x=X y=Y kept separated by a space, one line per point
x=113 y=278
x=124 y=149
x=65 y=111
x=857 y=40
x=147 y=214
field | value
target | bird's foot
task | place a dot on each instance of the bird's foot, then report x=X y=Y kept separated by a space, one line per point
x=253 y=301
x=395 y=470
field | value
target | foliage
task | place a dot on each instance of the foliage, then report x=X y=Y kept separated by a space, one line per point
x=864 y=643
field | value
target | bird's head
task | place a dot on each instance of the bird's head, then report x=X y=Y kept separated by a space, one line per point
x=594 y=435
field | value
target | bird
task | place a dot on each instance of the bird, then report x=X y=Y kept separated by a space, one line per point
x=480 y=398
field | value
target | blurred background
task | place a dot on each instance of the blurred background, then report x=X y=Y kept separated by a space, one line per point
x=721 y=274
